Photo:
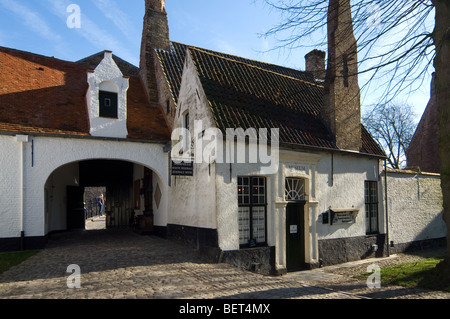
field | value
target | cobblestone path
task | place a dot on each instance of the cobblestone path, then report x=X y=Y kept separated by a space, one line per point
x=122 y=264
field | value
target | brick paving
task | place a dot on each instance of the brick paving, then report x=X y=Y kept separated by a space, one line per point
x=120 y=264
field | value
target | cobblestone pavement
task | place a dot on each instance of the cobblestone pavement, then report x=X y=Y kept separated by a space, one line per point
x=120 y=264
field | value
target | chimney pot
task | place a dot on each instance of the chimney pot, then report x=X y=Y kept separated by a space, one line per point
x=156 y=5
x=315 y=63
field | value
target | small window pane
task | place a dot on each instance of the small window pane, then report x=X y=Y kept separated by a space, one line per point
x=259 y=224
x=294 y=189
x=244 y=225
x=252 y=210
x=244 y=190
x=371 y=200
x=108 y=104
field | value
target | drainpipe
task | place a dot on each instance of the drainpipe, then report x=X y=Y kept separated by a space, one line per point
x=22 y=139
x=386 y=209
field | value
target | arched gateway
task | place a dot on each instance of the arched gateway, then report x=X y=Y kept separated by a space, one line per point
x=134 y=174
x=72 y=125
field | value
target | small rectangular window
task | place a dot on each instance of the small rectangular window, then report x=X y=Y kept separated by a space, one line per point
x=252 y=211
x=371 y=201
x=186 y=141
x=108 y=104
x=186 y=121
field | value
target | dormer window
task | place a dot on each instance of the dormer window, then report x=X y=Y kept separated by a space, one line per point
x=107 y=99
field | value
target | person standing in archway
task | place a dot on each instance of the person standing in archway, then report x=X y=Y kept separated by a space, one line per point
x=101 y=203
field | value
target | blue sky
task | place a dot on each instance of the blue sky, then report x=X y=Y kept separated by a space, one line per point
x=231 y=26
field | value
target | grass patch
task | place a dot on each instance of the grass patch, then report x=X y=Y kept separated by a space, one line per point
x=8 y=260
x=421 y=274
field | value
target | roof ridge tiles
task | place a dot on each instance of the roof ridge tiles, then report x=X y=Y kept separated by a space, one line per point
x=206 y=51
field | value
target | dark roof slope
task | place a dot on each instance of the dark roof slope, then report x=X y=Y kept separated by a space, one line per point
x=172 y=62
x=94 y=60
x=249 y=94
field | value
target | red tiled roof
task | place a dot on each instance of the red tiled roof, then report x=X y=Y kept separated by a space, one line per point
x=144 y=120
x=18 y=128
x=42 y=92
x=47 y=95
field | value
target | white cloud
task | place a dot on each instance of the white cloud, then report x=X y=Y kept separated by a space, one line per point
x=31 y=19
x=99 y=38
x=120 y=19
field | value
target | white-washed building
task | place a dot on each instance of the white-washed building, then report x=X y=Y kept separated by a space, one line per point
x=317 y=201
x=278 y=172
x=65 y=126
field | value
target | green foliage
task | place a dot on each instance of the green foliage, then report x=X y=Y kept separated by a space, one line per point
x=8 y=260
x=425 y=273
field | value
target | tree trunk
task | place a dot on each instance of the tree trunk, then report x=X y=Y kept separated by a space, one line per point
x=441 y=37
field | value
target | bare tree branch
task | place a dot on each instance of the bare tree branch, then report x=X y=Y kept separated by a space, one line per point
x=394 y=41
x=393 y=126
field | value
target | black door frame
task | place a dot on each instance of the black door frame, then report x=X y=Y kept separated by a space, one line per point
x=76 y=211
x=295 y=237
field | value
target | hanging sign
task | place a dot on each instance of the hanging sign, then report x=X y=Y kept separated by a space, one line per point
x=181 y=168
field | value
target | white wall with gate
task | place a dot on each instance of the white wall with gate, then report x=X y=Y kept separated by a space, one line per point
x=29 y=161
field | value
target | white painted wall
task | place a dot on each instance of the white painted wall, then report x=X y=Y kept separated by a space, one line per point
x=10 y=221
x=55 y=196
x=415 y=207
x=50 y=154
x=193 y=199
x=107 y=76
x=344 y=189
x=227 y=202
x=209 y=199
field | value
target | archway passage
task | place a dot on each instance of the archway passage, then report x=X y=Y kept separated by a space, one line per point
x=127 y=189
x=95 y=213
x=117 y=177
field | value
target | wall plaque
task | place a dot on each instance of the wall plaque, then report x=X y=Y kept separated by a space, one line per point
x=343 y=216
x=181 y=168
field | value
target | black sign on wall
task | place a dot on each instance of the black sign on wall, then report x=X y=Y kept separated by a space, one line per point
x=181 y=168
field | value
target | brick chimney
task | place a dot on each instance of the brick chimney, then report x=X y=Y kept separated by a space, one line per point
x=155 y=34
x=342 y=109
x=315 y=63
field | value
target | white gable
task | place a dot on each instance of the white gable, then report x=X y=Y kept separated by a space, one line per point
x=107 y=77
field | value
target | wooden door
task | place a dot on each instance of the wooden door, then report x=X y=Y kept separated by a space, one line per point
x=295 y=236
